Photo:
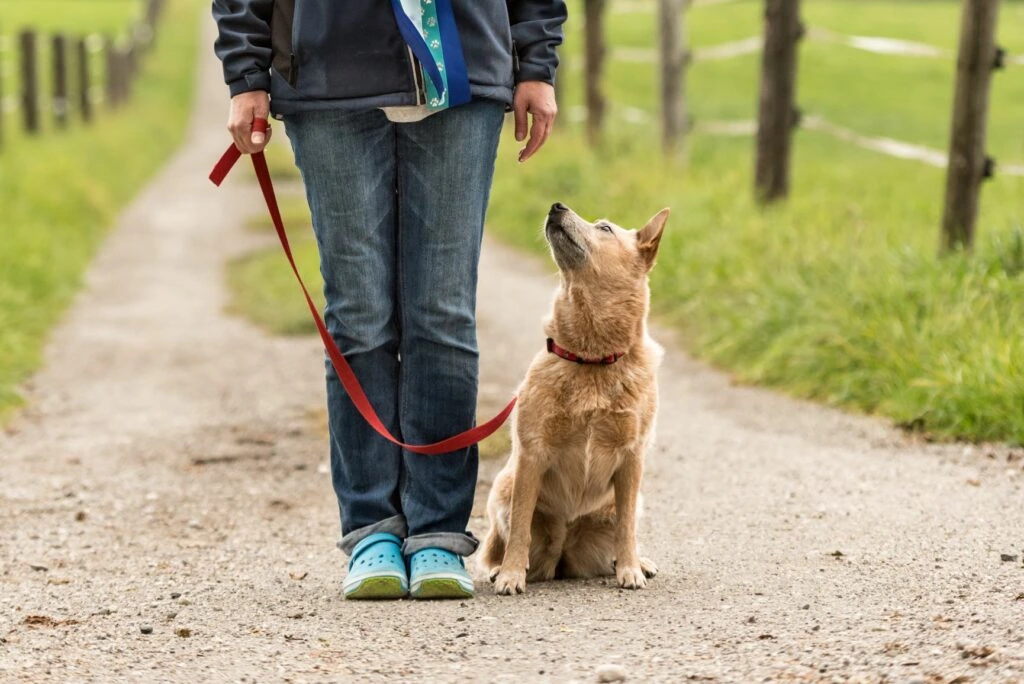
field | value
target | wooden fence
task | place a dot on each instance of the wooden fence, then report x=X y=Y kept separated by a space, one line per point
x=88 y=72
x=967 y=163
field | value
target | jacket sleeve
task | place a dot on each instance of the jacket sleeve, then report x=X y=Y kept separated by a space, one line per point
x=243 y=43
x=536 y=32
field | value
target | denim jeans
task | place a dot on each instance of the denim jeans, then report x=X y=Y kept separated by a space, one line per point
x=398 y=213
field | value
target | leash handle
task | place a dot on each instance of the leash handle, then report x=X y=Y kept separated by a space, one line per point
x=341 y=367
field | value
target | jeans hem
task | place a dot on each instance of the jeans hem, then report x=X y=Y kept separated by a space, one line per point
x=395 y=525
x=463 y=544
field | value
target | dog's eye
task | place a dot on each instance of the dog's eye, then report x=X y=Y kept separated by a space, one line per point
x=605 y=227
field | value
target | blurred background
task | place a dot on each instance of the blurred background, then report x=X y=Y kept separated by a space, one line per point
x=817 y=243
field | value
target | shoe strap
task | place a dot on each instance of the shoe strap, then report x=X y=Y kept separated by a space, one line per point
x=372 y=540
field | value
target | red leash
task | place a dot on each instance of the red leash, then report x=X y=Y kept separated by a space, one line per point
x=344 y=371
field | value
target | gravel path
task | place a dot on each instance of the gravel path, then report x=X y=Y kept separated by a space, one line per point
x=166 y=513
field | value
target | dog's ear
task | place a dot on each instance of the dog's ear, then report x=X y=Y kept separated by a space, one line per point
x=649 y=237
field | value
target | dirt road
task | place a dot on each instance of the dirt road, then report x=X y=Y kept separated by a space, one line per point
x=166 y=513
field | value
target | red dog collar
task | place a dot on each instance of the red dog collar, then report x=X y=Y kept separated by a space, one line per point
x=569 y=356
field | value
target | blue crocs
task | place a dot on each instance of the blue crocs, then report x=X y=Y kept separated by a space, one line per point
x=376 y=569
x=438 y=574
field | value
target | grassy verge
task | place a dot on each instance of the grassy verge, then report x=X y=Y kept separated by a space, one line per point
x=838 y=294
x=61 y=192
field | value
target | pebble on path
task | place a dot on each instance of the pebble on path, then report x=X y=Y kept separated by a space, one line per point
x=146 y=629
x=611 y=673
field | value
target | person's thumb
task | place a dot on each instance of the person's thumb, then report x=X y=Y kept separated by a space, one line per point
x=260 y=111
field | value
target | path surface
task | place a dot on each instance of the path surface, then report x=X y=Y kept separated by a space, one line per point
x=169 y=474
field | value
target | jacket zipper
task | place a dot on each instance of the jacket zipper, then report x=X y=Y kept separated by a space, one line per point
x=417 y=77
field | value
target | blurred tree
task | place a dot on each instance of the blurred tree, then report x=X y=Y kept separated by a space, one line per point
x=593 y=73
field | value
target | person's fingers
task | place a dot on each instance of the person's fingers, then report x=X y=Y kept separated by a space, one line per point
x=538 y=134
x=240 y=126
x=520 y=105
x=543 y=121
x=245 y=110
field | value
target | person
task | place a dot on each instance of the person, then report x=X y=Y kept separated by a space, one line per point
x=394 y=111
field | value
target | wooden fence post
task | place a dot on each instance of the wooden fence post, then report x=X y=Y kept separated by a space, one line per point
x=84 y=80
x=777 y=114
x=968 y=165
x=153 y=11
x=130 y=55
x=117 y=73
x=60 y=80
x=674 y=58
x=110 y=69
x=29 y=82
x=593 y=73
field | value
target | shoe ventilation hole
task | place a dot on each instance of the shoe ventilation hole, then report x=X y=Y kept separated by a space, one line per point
x=441 y=559
x=369 y=561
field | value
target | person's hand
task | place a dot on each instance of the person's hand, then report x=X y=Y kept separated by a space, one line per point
x=246 y=108
x=537 y=99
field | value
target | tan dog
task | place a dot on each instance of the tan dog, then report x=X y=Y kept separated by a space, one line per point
x=566 y=503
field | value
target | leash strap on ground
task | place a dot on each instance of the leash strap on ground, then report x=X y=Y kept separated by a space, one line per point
x=341 y=367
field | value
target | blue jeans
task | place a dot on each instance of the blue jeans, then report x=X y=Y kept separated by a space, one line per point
x=398 y=213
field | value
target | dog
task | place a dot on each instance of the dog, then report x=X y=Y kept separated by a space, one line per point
x=566 y=503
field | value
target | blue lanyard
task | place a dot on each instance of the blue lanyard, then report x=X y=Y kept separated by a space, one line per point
x=428 y=27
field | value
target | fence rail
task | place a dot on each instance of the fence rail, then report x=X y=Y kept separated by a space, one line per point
x=85 y=72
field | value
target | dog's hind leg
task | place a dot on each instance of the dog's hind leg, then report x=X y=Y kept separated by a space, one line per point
x=492 y=550
x=589 y=546
x=547 y=539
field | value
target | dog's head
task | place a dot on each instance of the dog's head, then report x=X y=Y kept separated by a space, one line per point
x=602 y=250
x=602 y=302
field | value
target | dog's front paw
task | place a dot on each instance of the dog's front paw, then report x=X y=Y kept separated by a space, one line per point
x=630 y=577
x=649 y=568
x=510 y=582
x=492 y=573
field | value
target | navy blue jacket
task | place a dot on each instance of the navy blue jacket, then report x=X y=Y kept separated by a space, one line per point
x=317 y=54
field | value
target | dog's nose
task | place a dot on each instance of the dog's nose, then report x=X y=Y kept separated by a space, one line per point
x=558 y=208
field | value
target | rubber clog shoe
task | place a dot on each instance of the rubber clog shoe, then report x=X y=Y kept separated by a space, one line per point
x=438 y=574
x=376 y=569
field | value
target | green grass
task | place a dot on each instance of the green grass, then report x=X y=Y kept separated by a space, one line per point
x=262 y=285
x=904 y=98
x=60 y=193
x=836 y=295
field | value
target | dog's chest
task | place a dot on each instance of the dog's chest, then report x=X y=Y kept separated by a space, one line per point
x=580 y=479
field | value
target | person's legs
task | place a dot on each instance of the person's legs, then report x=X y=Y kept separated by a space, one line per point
x=445 y=167
x=347 y=160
